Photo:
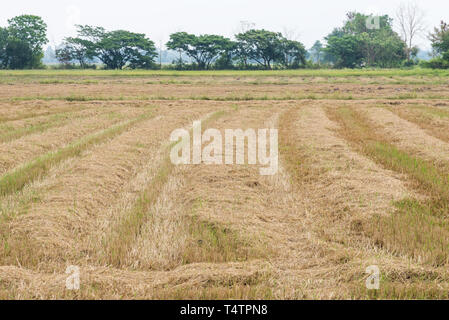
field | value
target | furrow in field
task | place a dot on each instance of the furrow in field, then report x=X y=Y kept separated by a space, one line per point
x=165 y=240
x=201 y=280
x=57 y=226
x=339 y=190
x=352 y=181
x=15 y=111
x=119 y=228
x=433 y=119
x=418 y=228
x=409 y=136
x=110 y=91
x=225 y=213
x=16 y=129
x=25 y=149
x=175 y=227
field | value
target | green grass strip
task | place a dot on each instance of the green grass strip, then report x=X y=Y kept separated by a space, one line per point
x=125 y=232
x=365 y=72
x=429 y=176
x=18 y=178
x=246 y=97
x=55 y=121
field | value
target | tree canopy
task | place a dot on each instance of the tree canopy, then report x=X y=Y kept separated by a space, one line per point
x=116 y=49
x=21 y=43
x=75 y=49
x=440 y=45
x=204 y=49
x=253 y=46
x=440 y=39
x=262 y=46
x=293 y=54
x=356 y=44
x=29 y=29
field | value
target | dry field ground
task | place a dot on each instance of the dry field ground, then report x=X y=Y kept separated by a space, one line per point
x=86 y=180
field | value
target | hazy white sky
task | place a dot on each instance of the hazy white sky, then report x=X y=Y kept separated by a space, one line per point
x=312 y=19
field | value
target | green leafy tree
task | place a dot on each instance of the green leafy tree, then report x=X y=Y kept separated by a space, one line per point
x=383 y=49
x=357 y=45
x=440 y=39
x=262 y=46
x=203 y=49
x=346 y=50
x=225 y=60
x=19 y=55
x=64 y=55
x=3 y=46
x=76 y=49
x=440 y=45
x=293 y=54
x=242 y=54
x=28 y=30
x=116 y=49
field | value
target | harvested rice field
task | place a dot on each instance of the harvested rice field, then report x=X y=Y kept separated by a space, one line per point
x=88 y=188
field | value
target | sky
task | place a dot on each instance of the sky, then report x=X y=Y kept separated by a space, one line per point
x=308 y=21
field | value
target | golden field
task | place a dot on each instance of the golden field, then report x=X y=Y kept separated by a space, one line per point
x=86 y=180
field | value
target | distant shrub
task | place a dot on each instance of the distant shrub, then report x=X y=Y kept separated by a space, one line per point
x=70 y=66
x=409 y=63
x=436 y=63
x=312 y=65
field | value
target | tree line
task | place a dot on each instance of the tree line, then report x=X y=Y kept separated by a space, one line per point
x=356 y=44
